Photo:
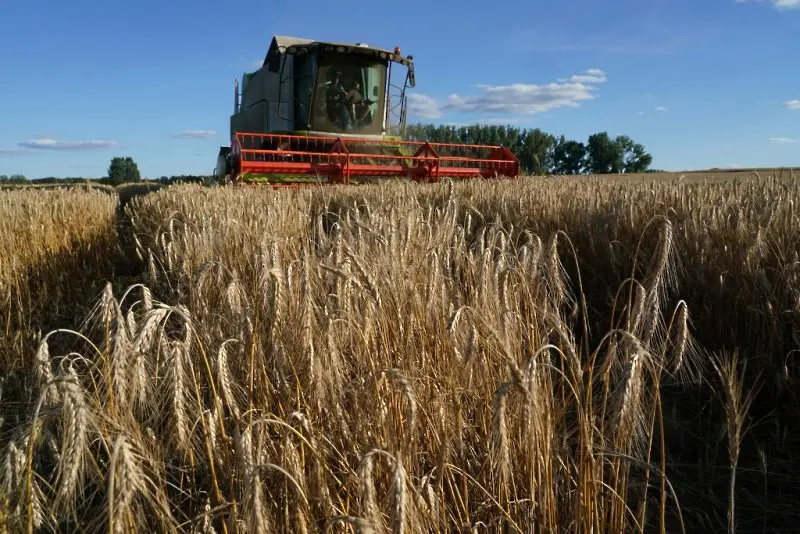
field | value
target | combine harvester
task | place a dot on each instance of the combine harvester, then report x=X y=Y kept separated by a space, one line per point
x=334 y=113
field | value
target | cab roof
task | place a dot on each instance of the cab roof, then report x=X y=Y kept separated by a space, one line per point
x=283 y=44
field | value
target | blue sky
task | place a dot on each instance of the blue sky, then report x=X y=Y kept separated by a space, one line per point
x=701 y=83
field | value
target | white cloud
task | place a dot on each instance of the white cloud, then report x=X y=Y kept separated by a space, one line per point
x=423 y=106
x=590 y=76
x=781 y=140
x=514 y=99
x=587 y=78
x=794 y=105
x=47 y=143
x=780 y=5
x=660 y=108
x=194 y=134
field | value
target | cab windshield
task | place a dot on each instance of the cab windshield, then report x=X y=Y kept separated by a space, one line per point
x=349 y=95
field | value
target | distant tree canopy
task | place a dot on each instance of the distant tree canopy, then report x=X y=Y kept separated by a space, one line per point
x=542 y=153
x=14 y=179
x=19 y=179
x=122 y=171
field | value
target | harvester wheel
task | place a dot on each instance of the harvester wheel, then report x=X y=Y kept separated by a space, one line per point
x=222 y=173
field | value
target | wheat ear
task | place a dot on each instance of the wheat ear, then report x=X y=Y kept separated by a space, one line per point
x=76 y=417
x=125 y=480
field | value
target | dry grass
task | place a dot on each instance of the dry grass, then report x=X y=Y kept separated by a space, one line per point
x=484 y=357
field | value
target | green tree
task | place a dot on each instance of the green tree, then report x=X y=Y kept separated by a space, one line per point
x=569 y=157
x=604 y=156
x=123 y=171
x=536 y=152
x=634 y=156
x=13 y=179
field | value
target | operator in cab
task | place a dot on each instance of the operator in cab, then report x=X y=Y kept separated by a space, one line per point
x=336 y=98
x=358 y=107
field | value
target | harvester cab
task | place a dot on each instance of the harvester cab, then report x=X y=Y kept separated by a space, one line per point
x=326 y=112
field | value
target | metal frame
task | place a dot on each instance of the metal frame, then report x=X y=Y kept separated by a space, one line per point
x=340 y=159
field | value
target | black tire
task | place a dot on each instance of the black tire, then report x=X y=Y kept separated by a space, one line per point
x=222 y=173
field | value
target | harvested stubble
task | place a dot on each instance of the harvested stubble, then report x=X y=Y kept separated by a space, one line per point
x=403 y=358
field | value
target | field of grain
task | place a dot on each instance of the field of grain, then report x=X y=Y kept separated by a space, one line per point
x=563 y=354
x=55 y=248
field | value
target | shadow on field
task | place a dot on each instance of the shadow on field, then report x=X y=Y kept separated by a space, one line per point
x=53 y=294
x=57 y=292
x=128 y=192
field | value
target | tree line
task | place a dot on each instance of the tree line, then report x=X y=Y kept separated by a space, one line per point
x=541 y=153
x=121 y=170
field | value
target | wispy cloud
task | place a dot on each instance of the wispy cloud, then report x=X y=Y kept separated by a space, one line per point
x=794 y=105
x=514 y=99
x=48 y=143
x=660 y=108
x=194 y=134
x=500 y=121
x=590 y=76
x=780 y=5
x=9 y=152
x=781 y=140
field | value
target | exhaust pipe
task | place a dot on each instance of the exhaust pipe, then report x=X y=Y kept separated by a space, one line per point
x=236 y=96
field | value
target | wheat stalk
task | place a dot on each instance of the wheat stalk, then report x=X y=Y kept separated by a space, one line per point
x=737 y=404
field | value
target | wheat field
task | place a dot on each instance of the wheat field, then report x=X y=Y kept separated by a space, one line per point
x=584 y=354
